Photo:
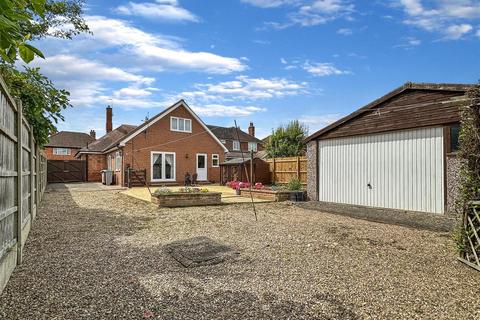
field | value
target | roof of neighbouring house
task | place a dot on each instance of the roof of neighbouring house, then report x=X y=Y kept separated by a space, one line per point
x=372 y=105
x=69 y=139
x=229 y=133
x=109 y=140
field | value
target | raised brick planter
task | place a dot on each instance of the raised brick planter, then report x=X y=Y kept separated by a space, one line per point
x=272 y=195
x=188 y=199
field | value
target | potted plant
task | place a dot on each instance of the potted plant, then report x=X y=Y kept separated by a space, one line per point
x=295 y=188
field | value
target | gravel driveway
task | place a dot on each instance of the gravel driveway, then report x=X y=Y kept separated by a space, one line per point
x=103 y=255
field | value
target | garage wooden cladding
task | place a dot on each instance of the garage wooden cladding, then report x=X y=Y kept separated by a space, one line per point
x=412 y=109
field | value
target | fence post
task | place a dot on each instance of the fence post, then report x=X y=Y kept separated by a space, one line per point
x=32 y=177
x=298 y=167
x=273 y=178
x=19 y=182
x=37 y=178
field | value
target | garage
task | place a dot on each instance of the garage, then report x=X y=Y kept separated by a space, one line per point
x=397 y=170
x=398 y=152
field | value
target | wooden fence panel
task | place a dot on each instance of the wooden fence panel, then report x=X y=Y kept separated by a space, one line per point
x=22 y=182
x=282 y=170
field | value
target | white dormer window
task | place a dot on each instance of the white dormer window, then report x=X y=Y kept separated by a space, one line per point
x=252 y=146
x=236 y=145
x=180 y=124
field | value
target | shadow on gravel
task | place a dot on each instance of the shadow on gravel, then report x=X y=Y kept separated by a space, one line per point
x=76 y=267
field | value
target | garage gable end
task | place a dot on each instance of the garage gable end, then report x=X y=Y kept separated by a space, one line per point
x=410 y=106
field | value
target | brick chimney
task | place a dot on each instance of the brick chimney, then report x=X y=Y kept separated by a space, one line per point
x=251 y=129
x=108 y=124
x=93 y=134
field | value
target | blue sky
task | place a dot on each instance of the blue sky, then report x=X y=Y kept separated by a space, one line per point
x=266 y=61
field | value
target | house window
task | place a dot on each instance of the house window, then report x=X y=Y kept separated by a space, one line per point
x=61 y=151
x=180 y=124
x=109 y=162
x=215 y=160
x=223 y=141
x=252 y=146
x=236 y=145
x=118 y=161
x=454 y=137
x=163 y=166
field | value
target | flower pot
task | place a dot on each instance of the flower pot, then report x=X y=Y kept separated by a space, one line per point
x=297 y=196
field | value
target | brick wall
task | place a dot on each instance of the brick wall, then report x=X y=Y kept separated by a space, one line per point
x=50 y=156
x=95 y=164
x=158 y=137
x=243 y=146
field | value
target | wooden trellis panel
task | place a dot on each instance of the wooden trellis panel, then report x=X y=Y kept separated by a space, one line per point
x=471 y=253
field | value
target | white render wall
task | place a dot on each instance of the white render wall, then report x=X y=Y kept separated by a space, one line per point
x=404 y=169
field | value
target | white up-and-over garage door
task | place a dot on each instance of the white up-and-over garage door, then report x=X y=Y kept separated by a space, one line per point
x=397 y=170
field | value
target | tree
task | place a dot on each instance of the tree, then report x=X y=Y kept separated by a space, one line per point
x=26 y=20
x=22 y=21
x=42 y=103
x=287 y=141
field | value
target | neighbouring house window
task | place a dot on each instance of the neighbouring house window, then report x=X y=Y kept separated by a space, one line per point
x=454 y=137
x=163 y=166
x=223 y=141
x=236 y=145
x=61 y=151
x=109 y=162
x=118 y=161
x=215 y=160
x=252 y=146
x=180 y=124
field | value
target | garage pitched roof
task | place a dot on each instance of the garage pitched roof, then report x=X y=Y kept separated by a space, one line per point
x=390 y=95
x=69 y=139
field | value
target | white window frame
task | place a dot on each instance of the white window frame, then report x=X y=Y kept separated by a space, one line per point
x=62 y=151
x=109 y=162
x=163 y=153
x=215 y=157
x=223 y=141
x=236 y=145
x=178 y=120
x=252 y=146
x=118 y=157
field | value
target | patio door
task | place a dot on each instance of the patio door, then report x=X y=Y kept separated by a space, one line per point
x=202 y=167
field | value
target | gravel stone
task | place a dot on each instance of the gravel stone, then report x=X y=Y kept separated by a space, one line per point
x=102 y=255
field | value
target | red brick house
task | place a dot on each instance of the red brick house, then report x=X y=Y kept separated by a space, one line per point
x=237 y=141
x=64 y=145
x=167 y=146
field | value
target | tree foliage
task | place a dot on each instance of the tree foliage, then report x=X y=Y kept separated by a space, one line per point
x=42 y=102
x=470 y=146
x=22 y=21
x=287 y=141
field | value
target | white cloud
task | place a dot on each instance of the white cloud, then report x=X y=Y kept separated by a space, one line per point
x=345 y=31
x=307 y=12
x=317 y=122
x=246 y=88
x=220 y=110
x=323 y=69
x=159 y=10
x=447 y=17
x=409 y=43
x=457 y=31
x=270 y=3
x=65 y=66
x=155 y=52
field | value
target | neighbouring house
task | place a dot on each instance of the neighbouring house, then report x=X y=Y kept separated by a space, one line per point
x=165 y=147
x=64 y=145
x=397 y=152
x=237 y=141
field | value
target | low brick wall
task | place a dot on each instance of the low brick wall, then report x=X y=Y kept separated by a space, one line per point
x=277 y=196
x=188 y=199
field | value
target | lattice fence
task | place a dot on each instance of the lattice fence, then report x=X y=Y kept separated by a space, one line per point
x=471 y=252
